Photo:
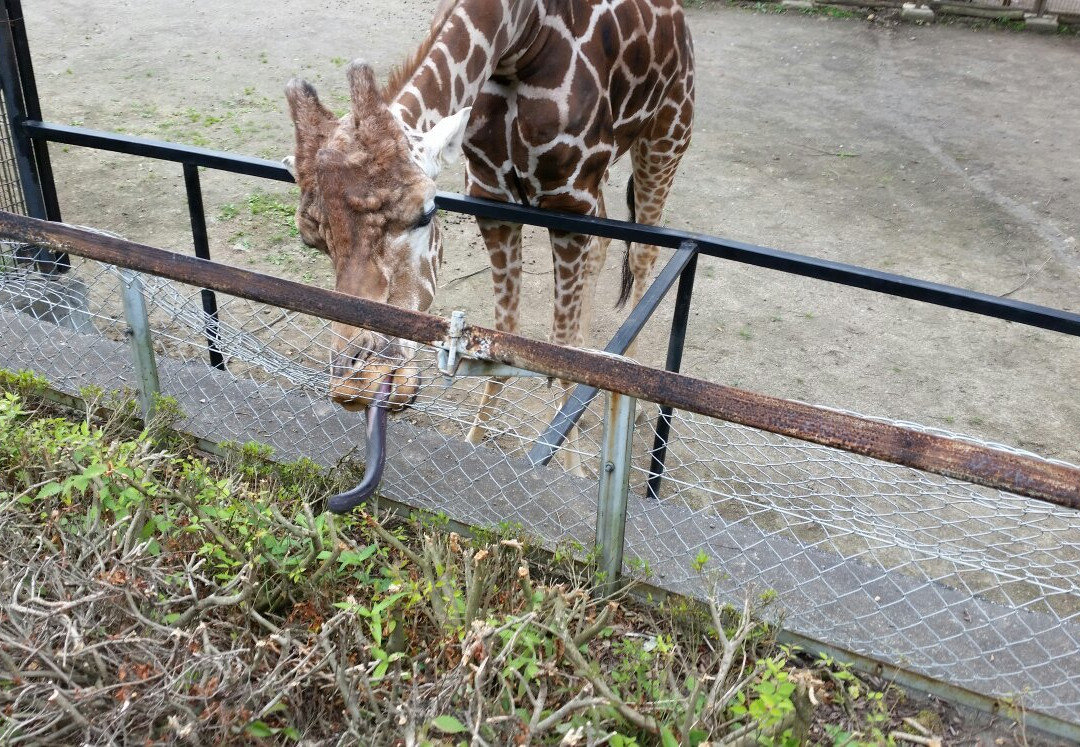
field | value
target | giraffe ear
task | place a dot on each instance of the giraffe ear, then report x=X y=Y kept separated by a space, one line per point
x=290 y=165
x=313 y=121
x=442 y=143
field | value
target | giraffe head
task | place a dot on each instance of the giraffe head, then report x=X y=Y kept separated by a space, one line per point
x=367 y=199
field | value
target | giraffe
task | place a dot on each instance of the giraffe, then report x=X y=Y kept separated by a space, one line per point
x=542 y=96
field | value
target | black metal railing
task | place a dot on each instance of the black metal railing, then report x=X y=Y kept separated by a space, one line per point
x=839 y=273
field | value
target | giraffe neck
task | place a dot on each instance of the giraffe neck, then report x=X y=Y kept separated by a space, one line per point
x=462 y=54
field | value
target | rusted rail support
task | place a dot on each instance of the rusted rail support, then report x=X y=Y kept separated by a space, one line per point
x=1015 y=473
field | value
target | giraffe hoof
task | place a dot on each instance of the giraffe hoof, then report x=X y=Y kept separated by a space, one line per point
x=476 y=435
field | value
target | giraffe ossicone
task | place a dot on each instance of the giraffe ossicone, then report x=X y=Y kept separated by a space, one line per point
x=542 y=96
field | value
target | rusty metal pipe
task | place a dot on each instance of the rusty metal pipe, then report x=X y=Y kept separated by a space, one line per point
x=1014 y=473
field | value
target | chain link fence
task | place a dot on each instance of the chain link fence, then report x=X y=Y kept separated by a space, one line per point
x=1068 y=8
x=11 y=197
x=959 y=583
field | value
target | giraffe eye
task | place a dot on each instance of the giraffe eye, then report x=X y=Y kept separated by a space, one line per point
x=426 y=218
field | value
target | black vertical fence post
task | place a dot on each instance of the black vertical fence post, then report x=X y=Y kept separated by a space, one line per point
x=31 y=155
x=676 y=343
x=202 y=251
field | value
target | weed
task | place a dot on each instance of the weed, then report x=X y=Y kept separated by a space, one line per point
x=25 y=384
x=830 y=11
x=228 y=211
x=280 y=213
x=867 y=712
x=767 y=8
x=225 y=569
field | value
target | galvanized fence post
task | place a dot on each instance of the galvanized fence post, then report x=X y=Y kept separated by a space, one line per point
x=142 y=344
x=615 y=460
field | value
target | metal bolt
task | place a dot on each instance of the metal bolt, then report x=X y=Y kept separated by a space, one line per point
x=609 y=467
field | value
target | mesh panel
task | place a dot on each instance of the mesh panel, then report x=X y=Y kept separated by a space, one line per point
x=11 y=196
x=964 y=584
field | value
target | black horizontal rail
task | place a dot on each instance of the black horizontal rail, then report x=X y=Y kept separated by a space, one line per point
x=984 y=304
x=158 y=149
x=841 y=273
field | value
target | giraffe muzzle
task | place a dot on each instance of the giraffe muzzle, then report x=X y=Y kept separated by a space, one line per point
x=361 y=366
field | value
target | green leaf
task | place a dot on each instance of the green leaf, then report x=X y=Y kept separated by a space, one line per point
x=667 y=738
x=697 y=737
x=50 y=489
x=351 y=558
x=259 y=729
x=376 y=627
x=448 y=725
x=95 y=470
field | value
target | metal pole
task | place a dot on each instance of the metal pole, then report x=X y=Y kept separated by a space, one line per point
x=142 y=345
x=33 y=106
x=16 y=112
x=32 y=156
x=579 y=399
x=676 y=343
x=202 y=251
x=615 y=459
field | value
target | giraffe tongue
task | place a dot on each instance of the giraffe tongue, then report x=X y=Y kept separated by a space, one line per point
x=376 y=454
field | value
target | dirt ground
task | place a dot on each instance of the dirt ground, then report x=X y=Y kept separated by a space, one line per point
x=946 y=152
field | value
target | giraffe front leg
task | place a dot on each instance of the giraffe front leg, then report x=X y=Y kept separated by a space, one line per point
x=655 y=160
x=490 y=403
x=597 y=255
x=571 y=255
x=503 y=241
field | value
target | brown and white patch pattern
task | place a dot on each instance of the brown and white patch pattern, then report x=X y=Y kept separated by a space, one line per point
x=553 y=92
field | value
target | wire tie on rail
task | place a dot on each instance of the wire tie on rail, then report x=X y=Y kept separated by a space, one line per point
x=450 y=351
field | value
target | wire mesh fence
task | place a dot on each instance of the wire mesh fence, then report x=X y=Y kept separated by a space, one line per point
x=1063 y=7
x=963 y=584
x=1053 y=7
x=11 y=197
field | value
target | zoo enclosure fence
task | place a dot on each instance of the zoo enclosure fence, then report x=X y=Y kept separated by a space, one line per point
x=1067 y=11
x=949 y=581
x=943 y=578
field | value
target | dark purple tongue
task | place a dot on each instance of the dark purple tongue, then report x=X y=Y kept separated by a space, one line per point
x=376 y=454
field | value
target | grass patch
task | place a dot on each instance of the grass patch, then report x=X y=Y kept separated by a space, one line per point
x=269 y=214
x=156 y=594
